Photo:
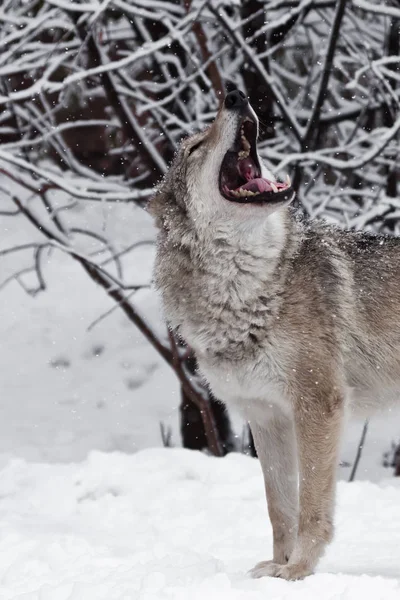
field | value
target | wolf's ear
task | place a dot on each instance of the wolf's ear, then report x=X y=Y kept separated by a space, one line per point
x=156 y=206
x=164 y=207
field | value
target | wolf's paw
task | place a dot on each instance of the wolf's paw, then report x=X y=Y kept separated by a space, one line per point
x=269 y=568
x=265 y=568
x=293 y=572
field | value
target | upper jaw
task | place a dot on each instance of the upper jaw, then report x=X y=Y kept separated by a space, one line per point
x=240 y=177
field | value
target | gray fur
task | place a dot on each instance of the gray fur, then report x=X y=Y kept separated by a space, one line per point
x=290 y=323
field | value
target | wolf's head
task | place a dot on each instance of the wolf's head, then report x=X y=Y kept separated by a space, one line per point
x=217 y=175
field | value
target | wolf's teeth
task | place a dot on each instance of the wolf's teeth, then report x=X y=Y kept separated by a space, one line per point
x=245 y=143
x=245 y=193
x=274 y=188
x=288 y=181
x=244 y=153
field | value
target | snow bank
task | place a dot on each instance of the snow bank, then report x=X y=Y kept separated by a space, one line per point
x=177 y=525
x=66 y=390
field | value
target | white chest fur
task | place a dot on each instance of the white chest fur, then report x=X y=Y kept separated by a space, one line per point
x=230 y=290
x=255 y=389
x=226 y=313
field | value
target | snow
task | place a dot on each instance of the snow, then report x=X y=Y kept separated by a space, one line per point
x=65 y=390
x=174 y=524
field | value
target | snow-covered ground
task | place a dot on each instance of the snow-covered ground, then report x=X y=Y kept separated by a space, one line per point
x=65 y=390
x=98 y=520
x=176 y=525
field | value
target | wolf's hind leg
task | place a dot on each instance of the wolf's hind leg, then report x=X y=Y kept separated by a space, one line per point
x=276 y=448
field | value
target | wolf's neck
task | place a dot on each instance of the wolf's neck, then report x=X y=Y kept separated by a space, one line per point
x=254 y=247
x=215 y=278
x=236 y=280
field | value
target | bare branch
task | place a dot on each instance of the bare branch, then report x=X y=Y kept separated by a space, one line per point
x=359 y=451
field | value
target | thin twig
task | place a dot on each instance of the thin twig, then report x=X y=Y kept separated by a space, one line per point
x=359 y=451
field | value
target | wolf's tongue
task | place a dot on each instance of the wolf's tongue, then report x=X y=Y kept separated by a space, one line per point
x=248 y=171
x=257 y=185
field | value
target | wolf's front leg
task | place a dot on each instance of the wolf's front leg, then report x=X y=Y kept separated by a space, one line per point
x=276 y=449
x=318 y=422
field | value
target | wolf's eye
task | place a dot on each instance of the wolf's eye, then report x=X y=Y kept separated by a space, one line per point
x=193 y=148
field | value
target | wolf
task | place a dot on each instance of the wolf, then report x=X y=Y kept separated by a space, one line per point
x=292 y=323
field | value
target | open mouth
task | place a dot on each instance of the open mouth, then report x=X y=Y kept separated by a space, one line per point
x=240 y=178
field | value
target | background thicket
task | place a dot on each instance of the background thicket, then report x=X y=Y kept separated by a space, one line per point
x=94 y=97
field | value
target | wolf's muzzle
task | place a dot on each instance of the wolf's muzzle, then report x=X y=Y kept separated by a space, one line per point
x=240 y=176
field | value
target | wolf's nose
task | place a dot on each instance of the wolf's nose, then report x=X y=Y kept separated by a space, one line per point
x=235 y=99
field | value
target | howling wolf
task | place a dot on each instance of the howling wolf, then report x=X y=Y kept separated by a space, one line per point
x=291 y=323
